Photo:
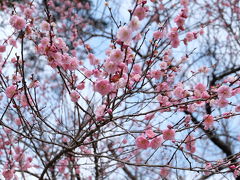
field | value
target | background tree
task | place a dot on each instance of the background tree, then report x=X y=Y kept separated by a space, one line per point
x=108 y=90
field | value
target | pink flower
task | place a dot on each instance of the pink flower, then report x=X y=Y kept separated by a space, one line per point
x=142 y=142
x=137 y=69
x=224 y=91
x=136 y=78
x=124 y=34
x=24 y=100
x=12 y=42
x=26 y=166
x=74 y=96
x=124 y=141
x=187 y=119
x=203 y=69
x=173 y=35
x=163 y=65
x=156 y=142
x=81 y=86
x=149 y=116
x=157 y=74
x=205 y=95
x=11 y=91
x=28 y=12
x=179 y=92
x=62 y=165
x=140 y=12
x=45 y=26
x=92 y=59
x=235 y=91
x=201 y=32
x=164 y=172
x=73 y=64
x=100 y=111
x=158 y=35
x=208 y=121
x=237 y=109
x=190 y=144
x=227 y=115
x=200 y=87
x=33 y=84
x=184 y=12
x=179 y=20
x=137 y=37
x=169 y=134
x=2 y=48
x=189 y=36
x=116 y=55
x=8 y=174
x=110 y=66
x=88 y=73
x=134 y=24
x=175 y=43
x=103 y=87
x=17 y=22
x=207 y=168
x=222 y=102
x=184 y=2
x=236 y=173
x=18 y=121
x=150 y=133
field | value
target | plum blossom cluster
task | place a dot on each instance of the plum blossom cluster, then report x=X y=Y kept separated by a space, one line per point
x=56 y=52
x=140 y=83
x=20 y=160
x=143 y=142
x=19 y=95
x=150 y=140
x=190 y=144
x=18 y=22
x=223 y=93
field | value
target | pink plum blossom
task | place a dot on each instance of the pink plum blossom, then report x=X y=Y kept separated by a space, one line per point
x=184 y=2
x=164 y=172
x=190 y=144
x=116 y=55
x=134 y=23
x=222 y=102
x=45 y=26
x=140 y=12
x=169 y=134
x=74 y=96
x=208 y=121
x=179 y=20
x=8 y=174
x=110 y=66
x=103 y=86
x=11 y=91
x=142 y=142
x=100 y=111
x=150 y=133
x=158 y=35
x=17 y=22
x=156 y=142
x=124 y=34
x=2 y=48
x=224 y=91
x=179 y=92
x=81 y=86
x=18 y=121
x=237 y=108
x=175 y=43
x=200 y=87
